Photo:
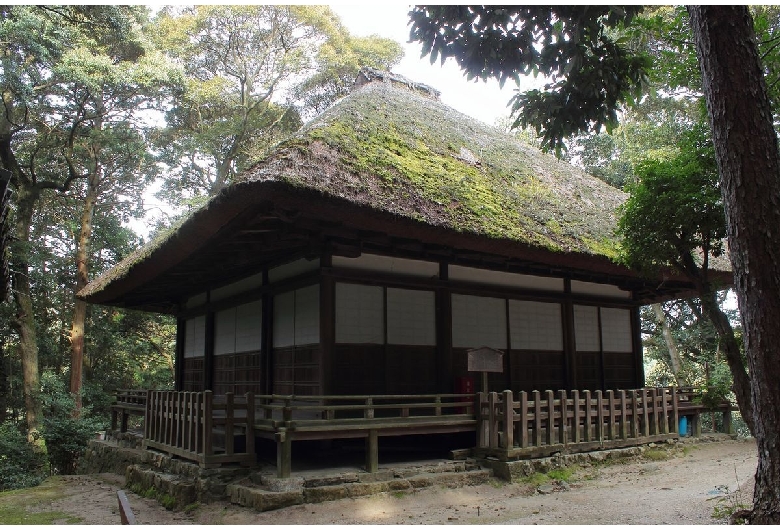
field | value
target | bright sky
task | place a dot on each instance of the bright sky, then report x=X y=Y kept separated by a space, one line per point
x=484 y=101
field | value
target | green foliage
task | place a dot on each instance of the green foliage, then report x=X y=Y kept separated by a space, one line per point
x=675 y=213
x=582 y=49
x=21 y=466
x=66 y=437
x=656 y=455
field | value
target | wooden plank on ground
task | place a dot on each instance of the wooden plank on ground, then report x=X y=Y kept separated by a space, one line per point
x=126 y=515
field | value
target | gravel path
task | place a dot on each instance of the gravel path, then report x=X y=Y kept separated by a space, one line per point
x=683 y=489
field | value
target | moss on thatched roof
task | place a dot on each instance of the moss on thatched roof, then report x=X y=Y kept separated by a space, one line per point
x=395 y=150
x=392 y=148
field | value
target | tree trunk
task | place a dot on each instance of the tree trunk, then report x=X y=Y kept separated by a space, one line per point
x=728 y=341
x=671 y=344
x=24 y=319
x=749 y=164
x=80 y=306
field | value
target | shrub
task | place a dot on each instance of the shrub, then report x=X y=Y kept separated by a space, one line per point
x=20 y=465
x=66 y=440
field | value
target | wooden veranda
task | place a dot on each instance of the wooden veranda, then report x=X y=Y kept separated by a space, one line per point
x=215 y=430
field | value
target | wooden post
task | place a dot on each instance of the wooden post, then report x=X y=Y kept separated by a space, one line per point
x=537 y=418
x=208 y=448
x=645 y=412
x=250 y=423
x=623 y=418
x=576 y=416
x=482 y=424
x=665 y=412
x=372 y=451
x=492 y=421
x=229 y=426
x=654 y=411
x=599 y=416
x=437 y=402
x=523 y=419
x=369 y=412
x=148 y=416
x=564 y=421
x=634 y=414
x=612 y=414
x=675 y=411
x=587 y=428
x=283 y=454
x=509 y=413
x=550 y=417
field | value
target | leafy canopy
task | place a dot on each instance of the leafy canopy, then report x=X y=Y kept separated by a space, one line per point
x=580 y=48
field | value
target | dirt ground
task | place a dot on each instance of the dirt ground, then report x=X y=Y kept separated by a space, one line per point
x=687 y=488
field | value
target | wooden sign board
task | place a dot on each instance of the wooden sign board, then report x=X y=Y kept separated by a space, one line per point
x=485 y=359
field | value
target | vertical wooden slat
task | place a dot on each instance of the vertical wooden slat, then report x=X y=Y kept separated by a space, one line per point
x=564 y=420
x=369 y=411
x=645 y=412
x=438 y=405
x=230 y=415
x=492 y=421
x=250 y=423
x=623 y=414
x=482 y=426
x=537 y=418
x=283 y=454
x=372 y=451
x=208 y=448
x=612 y=414
x=599 y=416
x=654 y=410
x=523 y=419
x=665 y=411
x=509 y=413
x=588 y=431
x=634 y=414
x=550 y=404
x=576 y=416
x=676 y=414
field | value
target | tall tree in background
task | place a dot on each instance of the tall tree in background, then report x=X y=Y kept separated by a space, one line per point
x=592 y=75
x=251 y=73
x=73 y=76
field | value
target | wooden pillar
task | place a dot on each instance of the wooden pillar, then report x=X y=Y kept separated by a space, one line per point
x=576 y=416
x=636 y=342
x=569 y=342
x=550 y=417
x=372 y=451
x=445 y=382
x=208 y=354
x=327 y=325
x=509 y=416
x=587 y=426
x=523 y=419
x=283 y=454
x=599 y=416
x=178 y=362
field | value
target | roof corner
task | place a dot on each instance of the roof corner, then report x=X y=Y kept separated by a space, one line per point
x=371 y=75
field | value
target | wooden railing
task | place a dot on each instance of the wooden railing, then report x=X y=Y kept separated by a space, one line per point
x=325 y=417
x=200 y=427
x=692 y=402
x=541 y=424
x=128 y=403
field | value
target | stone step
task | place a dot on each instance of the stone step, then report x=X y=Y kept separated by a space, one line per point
x=287 y=492
x=167 y=486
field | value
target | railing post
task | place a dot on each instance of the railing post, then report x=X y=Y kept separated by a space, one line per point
x=550 y=402
x=283 y=454
x=537 y=418
x=599 y=416
x=437 y=401
x=623 y=414
x=148 y=418
x=654 y=412
x=612 y=414
x=523 y=419
x=287 y=411
x=634 y=414
x=564 y=410
x=208 y=447
x=574 y=435
x=645 y=411
x=250 y=423
x=509 y=416
x=665 y=411
x=372 y=451
x=482 y=426
x=229 y=426
x=369 y=412
x=588 y=423
x=493 y=420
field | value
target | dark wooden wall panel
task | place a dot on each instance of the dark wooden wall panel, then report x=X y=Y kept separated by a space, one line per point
x=193 y=374
x=238 y=373
x=410 y=370
x=588 y=370
x=358 y=369
x=297 y=370
x=619 y=371
x=533 y=370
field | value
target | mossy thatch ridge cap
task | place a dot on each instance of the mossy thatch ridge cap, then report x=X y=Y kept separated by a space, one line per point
x=388 y=147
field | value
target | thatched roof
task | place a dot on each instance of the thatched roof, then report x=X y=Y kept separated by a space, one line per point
x=392 y=163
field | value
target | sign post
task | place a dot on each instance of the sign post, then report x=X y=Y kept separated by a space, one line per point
x=485 y=360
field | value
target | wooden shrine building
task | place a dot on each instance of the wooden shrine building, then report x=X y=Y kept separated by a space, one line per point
x=371 y=251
